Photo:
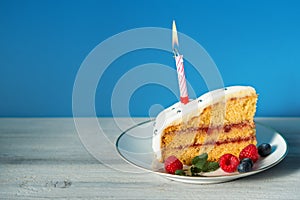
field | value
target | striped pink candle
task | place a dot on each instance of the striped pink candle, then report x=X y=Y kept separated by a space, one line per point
x=184 y=97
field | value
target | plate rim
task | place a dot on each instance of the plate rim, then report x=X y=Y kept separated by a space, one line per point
x=194 y=179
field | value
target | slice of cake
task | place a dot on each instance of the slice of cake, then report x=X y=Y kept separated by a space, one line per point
x=218 y=122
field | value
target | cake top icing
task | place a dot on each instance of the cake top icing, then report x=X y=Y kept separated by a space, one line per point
x=177 y=112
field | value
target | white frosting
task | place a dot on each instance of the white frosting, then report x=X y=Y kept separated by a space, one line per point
x=175 y=113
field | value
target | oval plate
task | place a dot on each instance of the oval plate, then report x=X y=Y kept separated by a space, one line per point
x=135 y=146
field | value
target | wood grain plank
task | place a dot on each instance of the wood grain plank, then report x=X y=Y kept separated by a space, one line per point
x=43 y=158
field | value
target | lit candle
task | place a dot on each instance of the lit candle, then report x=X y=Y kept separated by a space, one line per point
x=184 y=97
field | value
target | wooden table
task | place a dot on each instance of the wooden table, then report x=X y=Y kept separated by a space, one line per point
x=44 y=158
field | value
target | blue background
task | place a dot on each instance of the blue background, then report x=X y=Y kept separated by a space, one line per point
x=43 y=43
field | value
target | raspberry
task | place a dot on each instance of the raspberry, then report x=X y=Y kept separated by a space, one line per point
x=249 y=151
x=172 y=164
x=229 y=162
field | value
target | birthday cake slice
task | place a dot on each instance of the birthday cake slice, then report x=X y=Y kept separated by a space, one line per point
x=216 y=123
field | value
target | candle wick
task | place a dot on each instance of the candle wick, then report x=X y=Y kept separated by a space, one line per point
x=176 y=52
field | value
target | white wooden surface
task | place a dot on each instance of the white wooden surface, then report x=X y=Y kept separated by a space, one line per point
x=43 y=158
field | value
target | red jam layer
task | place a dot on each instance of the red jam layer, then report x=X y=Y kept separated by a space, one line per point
x=218 y=143
x=209 y=130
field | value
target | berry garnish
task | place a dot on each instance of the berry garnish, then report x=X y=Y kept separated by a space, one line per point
x=247 y=160
x=228 y=162
x=200 y=164
x=244 y=167
x=249 y=151
x=264 y=149
x=172 y=164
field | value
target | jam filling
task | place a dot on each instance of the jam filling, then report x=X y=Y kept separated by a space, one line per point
x=218 y=143
x=209 y=130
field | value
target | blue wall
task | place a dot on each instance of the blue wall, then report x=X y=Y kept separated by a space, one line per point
x=43 y=43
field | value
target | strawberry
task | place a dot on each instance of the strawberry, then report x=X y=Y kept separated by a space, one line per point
x=172 y=164
x=229 y=162
x=249 y=151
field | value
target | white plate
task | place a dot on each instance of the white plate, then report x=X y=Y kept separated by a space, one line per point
x=135 y=146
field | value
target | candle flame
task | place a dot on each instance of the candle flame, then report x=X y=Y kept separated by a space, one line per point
x=174 y=35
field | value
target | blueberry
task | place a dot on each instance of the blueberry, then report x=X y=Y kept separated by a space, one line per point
x=244 y=167
x=264 y=149
x=247 y=160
